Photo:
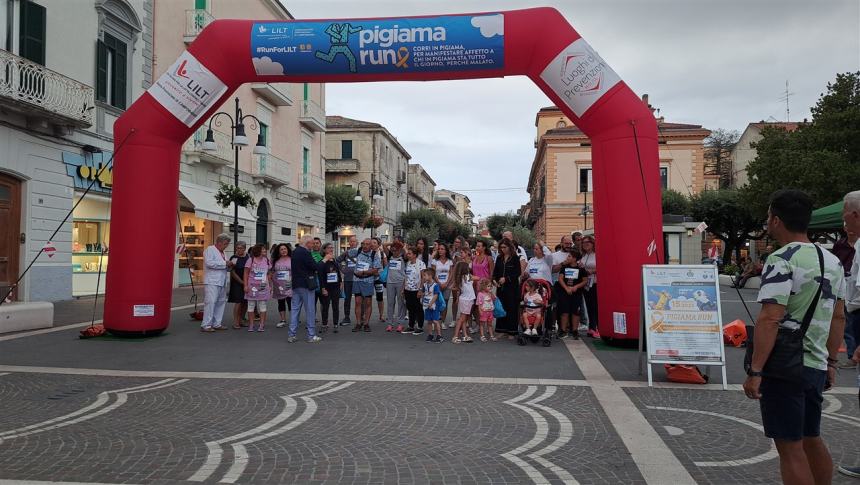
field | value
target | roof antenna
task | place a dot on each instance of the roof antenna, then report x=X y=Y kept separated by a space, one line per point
x=785 y=96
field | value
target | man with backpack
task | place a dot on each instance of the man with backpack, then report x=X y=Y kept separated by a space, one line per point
x=796 y=340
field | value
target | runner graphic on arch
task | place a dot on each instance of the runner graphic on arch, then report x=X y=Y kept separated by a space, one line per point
x=339 y=35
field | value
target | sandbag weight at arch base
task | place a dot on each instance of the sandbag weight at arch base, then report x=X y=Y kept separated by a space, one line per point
x=538 y=43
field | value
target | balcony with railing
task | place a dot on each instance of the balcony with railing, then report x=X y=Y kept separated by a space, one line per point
x=195 y=21
x=39 y=92
x=311 y=186
x=271 y=170
x=342 y=165
x=273 y=93
x=312 y=115
x=194 y=153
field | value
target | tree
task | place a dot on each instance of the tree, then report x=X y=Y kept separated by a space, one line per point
x=728 y=218
x=341 y=208
x=425 y=217
x=675 y=203
x=430 y=233
x=449 y=231
x=522 y=235
x=497 y=223
x=822 y=158
x=718 y=156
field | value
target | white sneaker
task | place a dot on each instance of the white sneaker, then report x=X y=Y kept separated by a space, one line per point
x=281 y=324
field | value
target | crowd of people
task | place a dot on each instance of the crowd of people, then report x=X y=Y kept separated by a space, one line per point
x=489 y=288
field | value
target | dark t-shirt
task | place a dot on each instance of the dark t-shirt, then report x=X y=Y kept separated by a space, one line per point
x=573 y=275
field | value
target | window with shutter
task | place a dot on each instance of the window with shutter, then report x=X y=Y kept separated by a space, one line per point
x=112 y=71
x=32 y=36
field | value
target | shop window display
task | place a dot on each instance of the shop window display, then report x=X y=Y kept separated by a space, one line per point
x=196 y=234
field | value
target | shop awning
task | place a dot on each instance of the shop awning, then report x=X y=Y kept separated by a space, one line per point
x=828 y=217
x=203 y=200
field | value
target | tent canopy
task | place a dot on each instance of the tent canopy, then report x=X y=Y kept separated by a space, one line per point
x=828 y=217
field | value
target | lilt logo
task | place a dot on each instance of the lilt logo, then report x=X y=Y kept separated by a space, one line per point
x=579 y=76
x=181 y=71
x=187 y=89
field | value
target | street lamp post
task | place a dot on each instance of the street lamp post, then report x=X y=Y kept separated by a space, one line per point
x=375 y=194
x=238 y=139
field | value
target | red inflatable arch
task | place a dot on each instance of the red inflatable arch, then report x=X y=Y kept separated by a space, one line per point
x=538 y=43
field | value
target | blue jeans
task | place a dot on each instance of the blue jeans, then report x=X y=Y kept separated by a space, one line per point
x=852 y=332
x=302 y=297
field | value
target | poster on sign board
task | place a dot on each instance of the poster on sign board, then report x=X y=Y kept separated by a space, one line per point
x=682 y=318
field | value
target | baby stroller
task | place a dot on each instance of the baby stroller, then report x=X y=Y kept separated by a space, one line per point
x=548 y=329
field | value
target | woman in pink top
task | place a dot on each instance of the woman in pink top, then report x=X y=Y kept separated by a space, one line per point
x=258 y=285
x=482 y=263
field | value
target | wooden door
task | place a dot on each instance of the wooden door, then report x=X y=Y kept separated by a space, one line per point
x=10 y=221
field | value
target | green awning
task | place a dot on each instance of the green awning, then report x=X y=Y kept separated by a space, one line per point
x=828 y=217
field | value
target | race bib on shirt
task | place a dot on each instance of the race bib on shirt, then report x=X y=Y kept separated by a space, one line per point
x=362 y=266
x=331 y=278
x=443 y=276
x=259 y=275
x=350 y=263
x=394 y=264
x=426 y=301
x=282 y=276
x=533 y=270
x=379 y=288
x=571 y=273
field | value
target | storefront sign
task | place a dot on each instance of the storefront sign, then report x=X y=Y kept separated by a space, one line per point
x=682 y=314
x=89 y=167
x=430 y=44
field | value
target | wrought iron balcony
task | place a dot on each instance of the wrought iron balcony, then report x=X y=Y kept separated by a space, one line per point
x=312 y=115
x=269 y=169
x=195 y=22
x=25 y=85
x=194 y=153
x=312 y=186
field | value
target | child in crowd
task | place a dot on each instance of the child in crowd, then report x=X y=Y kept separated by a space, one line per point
x=257 y=285
x=533 y=308
x=485 y=303
x=430 y=295
x=572 y=280
x=461 y=284
x=414 y=268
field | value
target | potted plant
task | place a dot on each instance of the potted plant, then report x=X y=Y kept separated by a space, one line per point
x=372 y=222
x=229 y=194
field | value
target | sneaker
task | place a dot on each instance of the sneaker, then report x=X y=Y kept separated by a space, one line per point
x=439 y=339
x=314 y=340
x=389 y=328
x=851 y=471
x=594 y=334
x=429 y=337
x=281 y=324
x=468 y=340
x=417 y=331
x=261 y=329
x=345 y=322
x=564 y=336
x=219 y=327
x=367 y=328
x=207 y=329
x=250 y=328
x=399 y=329
x=408 y=330
x=494 y=339
x=455 y=340
x=292 y=340
x=483 y=338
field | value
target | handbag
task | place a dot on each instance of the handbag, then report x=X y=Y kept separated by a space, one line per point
x=383 y=277
x=313 y=282
x=786 y=359
x=498 y=309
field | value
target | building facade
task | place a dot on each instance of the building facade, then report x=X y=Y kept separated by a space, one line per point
x=287 y=183
x=421 y=188
x=445 y=202
x=560 y=184
x=743 y=152
x=366 y=156
x=56 y=139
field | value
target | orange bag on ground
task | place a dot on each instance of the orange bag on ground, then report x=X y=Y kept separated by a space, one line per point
x=685 y=374
x=735 y=333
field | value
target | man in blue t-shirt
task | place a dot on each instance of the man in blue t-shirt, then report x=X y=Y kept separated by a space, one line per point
x=368 y=265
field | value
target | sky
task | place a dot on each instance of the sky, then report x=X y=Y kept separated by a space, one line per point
x=718 y=64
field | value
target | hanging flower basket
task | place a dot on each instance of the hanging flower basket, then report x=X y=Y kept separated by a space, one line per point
x=373 y=222
x=228 y=194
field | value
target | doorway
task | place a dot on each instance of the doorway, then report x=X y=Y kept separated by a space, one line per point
x=10 y=219
x=263 y=223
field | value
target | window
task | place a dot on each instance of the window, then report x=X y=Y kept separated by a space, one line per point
x=585 y=180
x=346 y=149
x=264 y=133
x=112 y=66
x=664 y=177
x=306 y=92
x=306 y=157
x=31 y=44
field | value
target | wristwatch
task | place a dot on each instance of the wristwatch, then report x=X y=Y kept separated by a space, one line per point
x=753 y=373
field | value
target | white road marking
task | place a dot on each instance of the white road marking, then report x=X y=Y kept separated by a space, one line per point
x=673 y=431
x=651 y=455
x=4 y=374
x=768 y=455
x=565 y=434
x=97 y=408
x=542 y=426
x=832 y=404
x=261 y=432
x=842 y=418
